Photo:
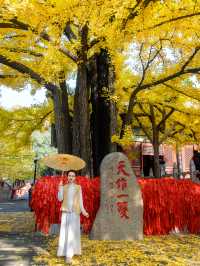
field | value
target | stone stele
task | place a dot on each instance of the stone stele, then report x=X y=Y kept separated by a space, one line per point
x=120 y=216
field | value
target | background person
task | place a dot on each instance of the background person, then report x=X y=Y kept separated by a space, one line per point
x=195 y=168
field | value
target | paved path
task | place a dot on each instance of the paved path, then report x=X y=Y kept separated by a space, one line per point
x=14 y=206
x=18 y=242
x=18 y=249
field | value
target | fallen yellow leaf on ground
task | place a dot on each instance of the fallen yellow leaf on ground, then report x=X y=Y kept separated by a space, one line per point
x=180 y=250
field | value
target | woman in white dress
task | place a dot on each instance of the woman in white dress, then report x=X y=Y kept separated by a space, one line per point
x=72 y=205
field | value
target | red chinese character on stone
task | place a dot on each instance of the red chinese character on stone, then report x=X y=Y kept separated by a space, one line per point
x=122 y=195
x=121 y=168
x=111 y=185
x=121 y=183
x=122 y=208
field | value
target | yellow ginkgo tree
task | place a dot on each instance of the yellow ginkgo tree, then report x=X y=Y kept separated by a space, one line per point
x=16 y=142
x=166 y=117
x=45 y=41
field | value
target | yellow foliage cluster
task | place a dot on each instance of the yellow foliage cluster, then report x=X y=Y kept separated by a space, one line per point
x=16 y=128
x=146 y=40
x=115 y=24
x=187 y=110
x=127 y=139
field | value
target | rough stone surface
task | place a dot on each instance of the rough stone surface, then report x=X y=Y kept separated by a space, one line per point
x=120 y=216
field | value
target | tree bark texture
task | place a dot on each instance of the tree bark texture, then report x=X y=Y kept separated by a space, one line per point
x=53 y=136
x=156 y=158
x=81 y=120
x=103 y=117
x=62 y=119
x=178 y=161
x=155 y=138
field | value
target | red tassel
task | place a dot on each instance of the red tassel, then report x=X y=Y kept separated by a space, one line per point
x=168 y=203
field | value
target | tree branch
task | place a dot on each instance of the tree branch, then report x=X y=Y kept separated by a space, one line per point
x=26 y=70
x=181 y=92
x=14 y=23
x=173 y=132
x=170 y=77
x=69 y=33
x=31 y=120
x=194 y=134
x=149 y=61
x=7 y=76
x=133 y=12
x=140 y=115
x=174 y=19
x=144 y=129
x=152 y=117
x=166 y=116
x=68 y=54
x=190 y=58
x=94 y=42
x=143 y=110
x=180 y=111
x=159 y=109
x=20 y=50
x=160 y=81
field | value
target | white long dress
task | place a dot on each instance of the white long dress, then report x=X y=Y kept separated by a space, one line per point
x=70 y=239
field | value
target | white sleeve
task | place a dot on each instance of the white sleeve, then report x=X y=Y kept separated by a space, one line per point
x=81 y=203
x=60 y=193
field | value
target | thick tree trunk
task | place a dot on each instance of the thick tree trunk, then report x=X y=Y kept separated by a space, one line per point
x=76 y=147
x=81 y=121
x=113 y=107
x=155 y=143
x=53 y=136
x=103 y=117
x=62 y=119
x=156 y=156
x=178 y=161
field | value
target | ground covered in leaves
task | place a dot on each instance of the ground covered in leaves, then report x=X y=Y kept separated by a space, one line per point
x=172 y=250
x=182 y=250
x=17 y=222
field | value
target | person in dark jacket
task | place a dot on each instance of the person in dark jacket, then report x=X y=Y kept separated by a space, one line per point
x=30 y=196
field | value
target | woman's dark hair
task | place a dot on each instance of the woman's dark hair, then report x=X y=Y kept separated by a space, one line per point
x=73 y=171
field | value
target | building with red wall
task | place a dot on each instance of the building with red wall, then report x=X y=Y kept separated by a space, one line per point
x=139 y=150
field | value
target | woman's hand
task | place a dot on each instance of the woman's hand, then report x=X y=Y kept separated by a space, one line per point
x=86 y=215
x=61 y=183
